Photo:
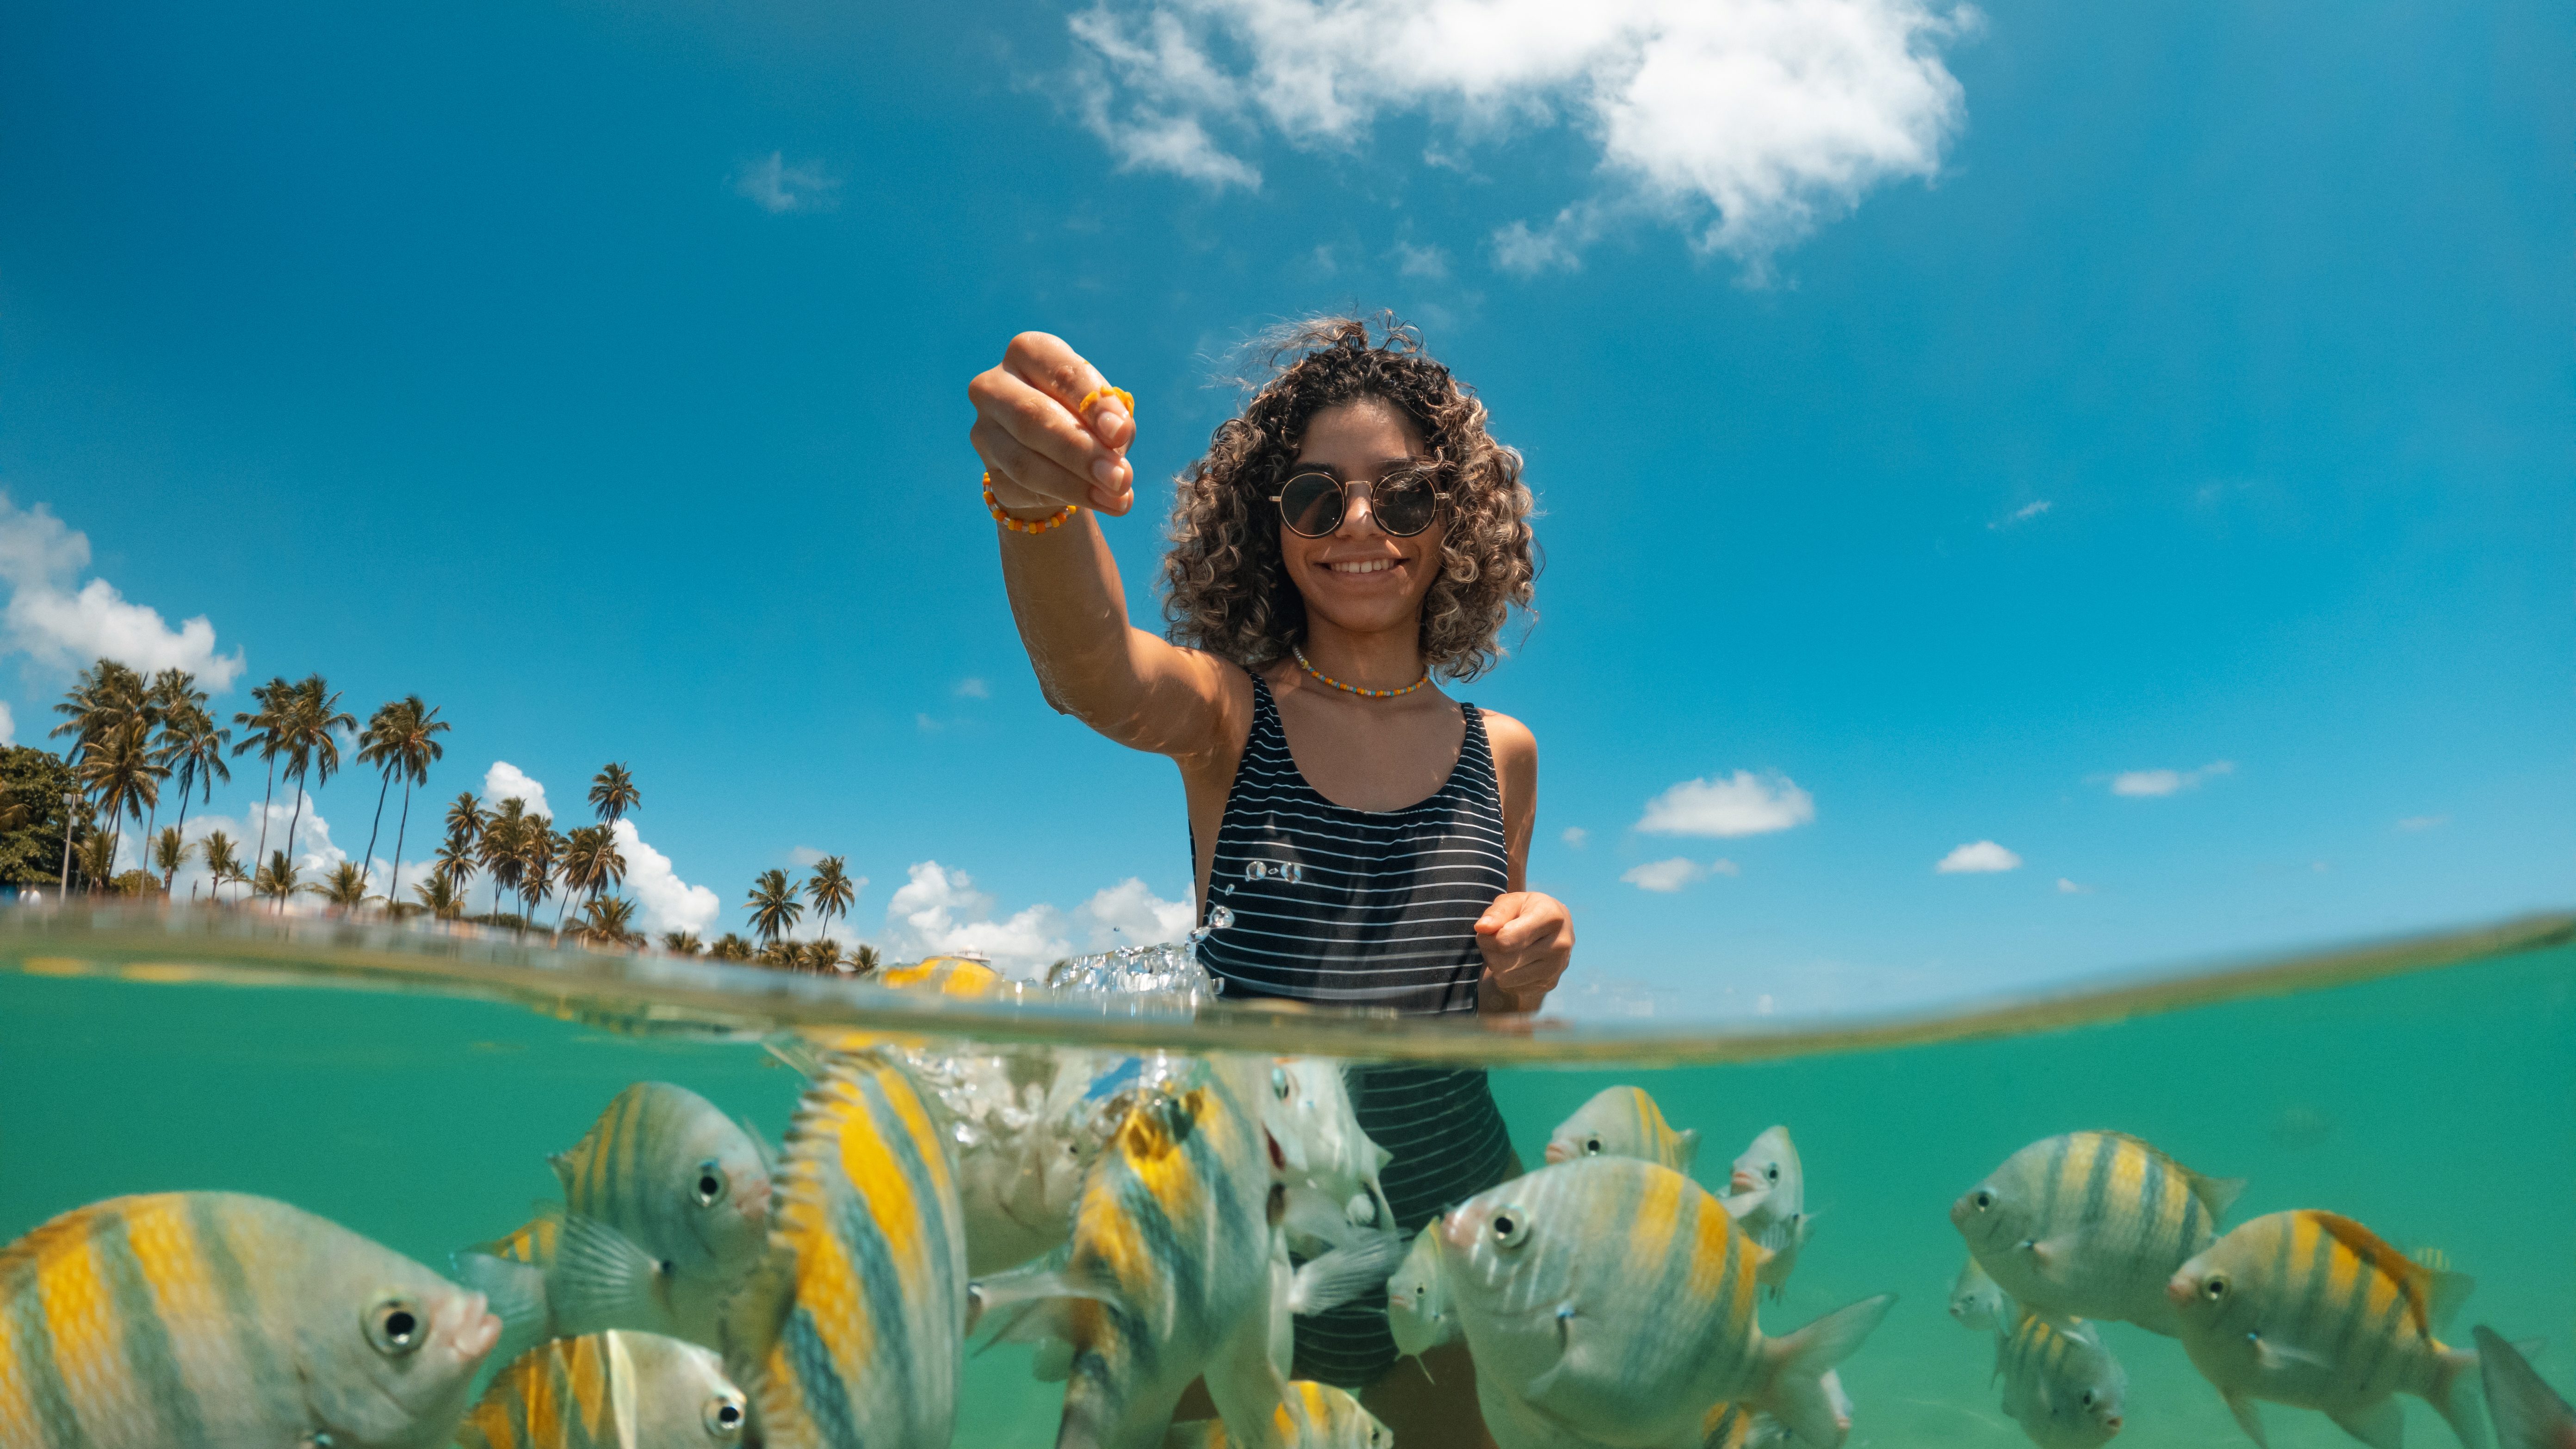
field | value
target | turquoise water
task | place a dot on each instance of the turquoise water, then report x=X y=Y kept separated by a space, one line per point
x=2435 y=1102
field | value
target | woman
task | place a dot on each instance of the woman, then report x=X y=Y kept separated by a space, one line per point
x=1359 y=838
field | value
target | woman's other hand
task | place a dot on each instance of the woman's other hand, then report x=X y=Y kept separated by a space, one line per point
x=1043 y=456
x=1527 y=939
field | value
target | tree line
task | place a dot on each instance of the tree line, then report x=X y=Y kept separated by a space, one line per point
x=132 y=740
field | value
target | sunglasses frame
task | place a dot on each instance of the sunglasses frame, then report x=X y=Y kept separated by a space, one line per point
x=1439 y=496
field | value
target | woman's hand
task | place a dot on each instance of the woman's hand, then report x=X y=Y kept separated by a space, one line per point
x=1041 y=455
x=1527 y=939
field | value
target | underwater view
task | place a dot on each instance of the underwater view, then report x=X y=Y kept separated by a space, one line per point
x=951 y=1209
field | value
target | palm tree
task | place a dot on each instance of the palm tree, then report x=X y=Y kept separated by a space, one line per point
x=831 y=890
x=773 y=905
x=591 y=857
x=863 y=960
x=780 y=955
x=277 y=879
x=118 y=770
x=170 y=850
x=172 y=695
x=374 y=749
x=221 y=864
x=314 y=720
x=730 y=947
x=823 y=954
x=193 y=747
x=540 y=846
x=411 y=752
x=345 y=887
x=97 y=856
x=104 y=696
x=263 y=729
x=610 y=920
x=464 y=831
x=498 y=846
x=681 y=943
x=440 y=895
x=613 y=793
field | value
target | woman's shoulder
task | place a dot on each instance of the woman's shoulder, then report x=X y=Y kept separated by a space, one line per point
x=1510 y=740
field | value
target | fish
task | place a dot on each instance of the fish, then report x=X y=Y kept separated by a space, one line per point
x=1767 y=1194
x=2092 y=1225
x=666 y=1203
x=1170 y=1271
x=2314 y=1310
x=1312 y=1416
x=1622 y=1122
x=1609 y=1300
x=1418 y=1311
x=612 y=1390
x=1335 y=1197
x=217 y=1318
x=1976 y=1302
x=2528 y=1413
x=852 y=1329
x=1734 y=1426
x=2061 y=1383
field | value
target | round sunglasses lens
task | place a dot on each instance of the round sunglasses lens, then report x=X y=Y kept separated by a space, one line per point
x=1403 y=503
x=1312 y=504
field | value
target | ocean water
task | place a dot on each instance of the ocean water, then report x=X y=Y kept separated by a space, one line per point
x=411 y=1088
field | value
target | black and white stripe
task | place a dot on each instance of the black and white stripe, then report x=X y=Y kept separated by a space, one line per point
x=1368 y=908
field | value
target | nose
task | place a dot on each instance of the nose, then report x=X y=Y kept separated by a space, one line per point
x=1743 y=1181
x=2178 y=1289
x=1459 y=1228
x=1559 y=1151
x=1959 y=1212
x=1358 y=509
x=2112 y=1423
x=474 y=1331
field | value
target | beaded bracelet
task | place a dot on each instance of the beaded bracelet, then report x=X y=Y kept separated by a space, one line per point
x=1022 y=525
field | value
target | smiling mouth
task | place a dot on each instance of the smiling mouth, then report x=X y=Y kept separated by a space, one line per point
x=1365 y=566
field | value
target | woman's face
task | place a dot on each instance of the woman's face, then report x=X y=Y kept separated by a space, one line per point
x=1358 y=577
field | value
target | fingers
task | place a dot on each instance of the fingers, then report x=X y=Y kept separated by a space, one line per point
x=1037 y=396
x=1026 y=435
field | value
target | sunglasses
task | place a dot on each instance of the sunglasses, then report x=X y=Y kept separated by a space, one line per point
x=1402 y=502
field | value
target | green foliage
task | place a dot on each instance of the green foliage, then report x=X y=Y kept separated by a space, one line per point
x=31 y=851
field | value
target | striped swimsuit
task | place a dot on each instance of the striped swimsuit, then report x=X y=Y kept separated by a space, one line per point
x=1315 y=901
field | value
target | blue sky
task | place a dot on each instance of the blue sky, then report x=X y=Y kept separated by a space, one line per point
x=1941 y=430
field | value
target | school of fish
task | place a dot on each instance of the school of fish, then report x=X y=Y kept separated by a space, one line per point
x=1153 y=1225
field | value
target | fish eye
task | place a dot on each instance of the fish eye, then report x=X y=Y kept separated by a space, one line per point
x=2088 y=1398
x=396 y=1328
x=724 y=1415
x=1772 y=1172
x=711 y=1183
x=1592 y=1147
x=1509 y=1228
x=1983 y=1199
x=2214 y=1287
x=1279 y=1083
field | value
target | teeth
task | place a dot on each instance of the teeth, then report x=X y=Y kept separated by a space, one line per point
x=1364 y=566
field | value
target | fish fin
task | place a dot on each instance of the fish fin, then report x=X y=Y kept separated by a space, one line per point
x=1742 y=1204
x=2525 y=1409
x=1685 y=1150
x=1345 y=1273
x=1796 y=1394
x=2248 y=1418
x=2444 y=1297
x=601 y=1279
x=2381 y=1426
x=2050 y=1252
x=2217 y=1194
x=516 y=1294
x=565 y=1168
x=760 y=1144
x=2437 y=1295
x=2272 y=1356
x=1037 y=1284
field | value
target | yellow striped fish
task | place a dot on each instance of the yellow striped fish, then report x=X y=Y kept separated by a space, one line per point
x=2311 y=1309
x=2091 y=1225
x=1614 y=1300
x=1622 y=1122
x=613 y=1390
x=208 y=1318
x=1170 y=1273
x=852 y=1332
x=1312 y=1416
x=666 y=1204
x=2061 y=1383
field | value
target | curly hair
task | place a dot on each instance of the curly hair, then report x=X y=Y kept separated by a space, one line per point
x=1225 y=584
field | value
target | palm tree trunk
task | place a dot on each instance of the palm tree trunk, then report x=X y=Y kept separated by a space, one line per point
x=368 y=861
x=265 y=801
x=394 y=883
x=292 y=822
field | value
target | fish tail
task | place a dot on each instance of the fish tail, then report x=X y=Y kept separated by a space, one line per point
x=2526 y=1410
x=1796 y=1393
x=2457 y=1398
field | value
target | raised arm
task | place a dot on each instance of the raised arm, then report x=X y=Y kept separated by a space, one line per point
x=1065 y=594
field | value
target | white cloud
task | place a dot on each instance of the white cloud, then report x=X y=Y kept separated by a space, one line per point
x=67 y=628
x=2067 y=887
x=938 y=911
x=1663 y=876
x=777 y=187
x=505 y=781
x=1428 y=262
x=926 y=724
x=1982 y=857
x=1129 y=914
x=8 y=726
x=2411 y=822
x=2147 y=783
x=663 y=901
x=1743 y=804
x=1575 y=835
x=974 y=688
x=805 y=855
x=2023 y=514
x=1723 y=866
x=1746 y=122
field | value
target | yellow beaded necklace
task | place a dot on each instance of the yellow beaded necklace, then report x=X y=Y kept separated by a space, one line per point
x=1353 y=688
